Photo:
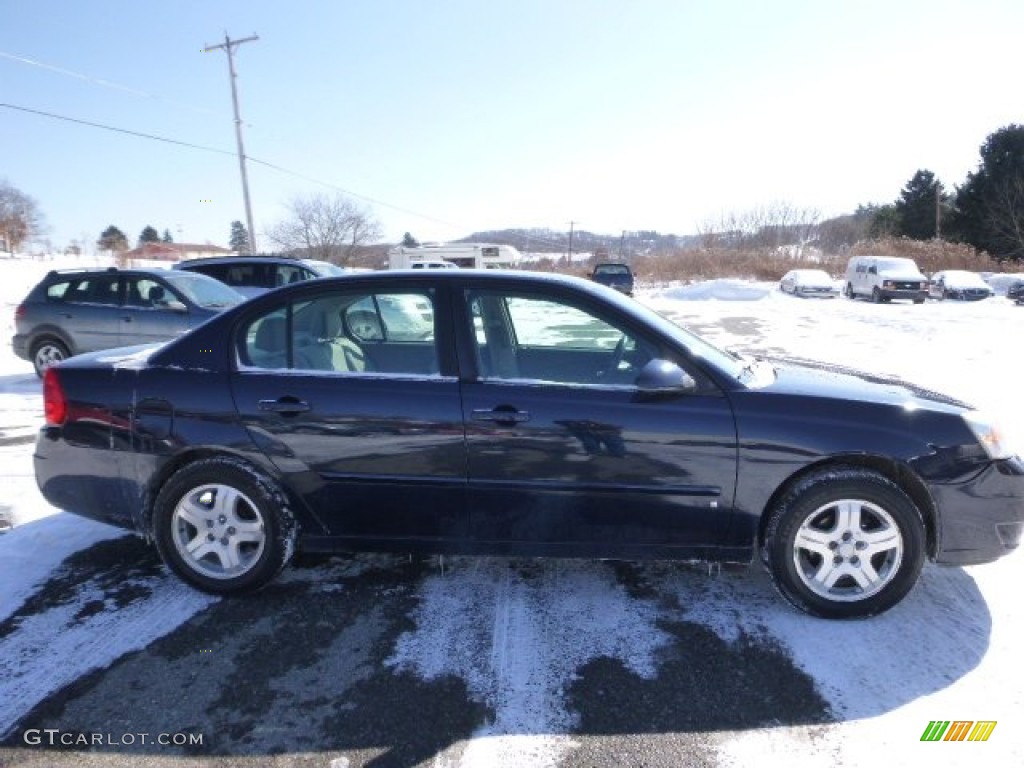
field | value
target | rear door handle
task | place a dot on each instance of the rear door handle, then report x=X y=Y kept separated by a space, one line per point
x=287 y=406
x=501 y=415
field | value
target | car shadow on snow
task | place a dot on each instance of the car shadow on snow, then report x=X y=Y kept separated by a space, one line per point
x=395 y=661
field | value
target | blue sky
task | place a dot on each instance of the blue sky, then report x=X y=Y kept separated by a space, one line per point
x=449 y=116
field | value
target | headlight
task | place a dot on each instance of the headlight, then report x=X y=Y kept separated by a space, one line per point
x=992 y=438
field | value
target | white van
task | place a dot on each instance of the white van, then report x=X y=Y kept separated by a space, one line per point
x=883 y=278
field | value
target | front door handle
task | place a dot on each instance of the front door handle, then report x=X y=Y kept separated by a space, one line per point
x=286 y=406
x=503 y=414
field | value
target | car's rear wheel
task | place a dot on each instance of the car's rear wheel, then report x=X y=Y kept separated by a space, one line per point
x=223 y=527
x=845 y=543
x=47 y=352
x=849 y=291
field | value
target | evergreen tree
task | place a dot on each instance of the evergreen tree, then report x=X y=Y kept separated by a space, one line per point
x=239 y=239
x=112 y=239
x=916 y=206
x=990 y=205
x=408 y=241
x=167 y=236
x=149 y=235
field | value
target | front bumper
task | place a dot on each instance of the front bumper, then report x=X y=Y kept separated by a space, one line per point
x=903 y=293
x=981 y=519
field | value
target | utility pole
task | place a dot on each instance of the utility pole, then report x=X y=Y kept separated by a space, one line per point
x=571 y=225
x=938 y=210
x=229 y=45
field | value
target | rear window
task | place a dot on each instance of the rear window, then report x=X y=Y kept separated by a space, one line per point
x=611 y=269
x=88 y=289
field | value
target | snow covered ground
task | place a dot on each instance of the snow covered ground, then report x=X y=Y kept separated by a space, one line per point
x=949 y=652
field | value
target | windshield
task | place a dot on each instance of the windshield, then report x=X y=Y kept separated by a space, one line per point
x=204 y=291
x=731 y=365
x=813 y=276
x=325 y=268
x=893 y=265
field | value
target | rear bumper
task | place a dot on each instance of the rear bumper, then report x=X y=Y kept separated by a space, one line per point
x=88 y=481
x=981 y=519
x=19 y=344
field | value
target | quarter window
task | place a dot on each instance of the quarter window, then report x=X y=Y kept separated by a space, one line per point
x=95 y=289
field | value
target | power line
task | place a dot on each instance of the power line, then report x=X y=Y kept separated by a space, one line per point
x=117 y=130
x=272 y=166
x=103 y=83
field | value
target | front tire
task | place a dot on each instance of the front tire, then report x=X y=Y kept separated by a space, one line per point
x=223 y=527
x=845 y=543
x=876 y=296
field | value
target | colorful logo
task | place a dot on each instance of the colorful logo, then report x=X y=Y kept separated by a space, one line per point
x=959 y=730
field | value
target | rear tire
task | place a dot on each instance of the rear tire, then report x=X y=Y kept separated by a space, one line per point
x=223 y=527
x=844 y=543
x=47 y=352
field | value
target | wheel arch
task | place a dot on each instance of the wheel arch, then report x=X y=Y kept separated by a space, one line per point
x=190 y=456
x=898 y=472
x=50 y=333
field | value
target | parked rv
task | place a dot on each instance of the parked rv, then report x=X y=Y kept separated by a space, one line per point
x=464 y=255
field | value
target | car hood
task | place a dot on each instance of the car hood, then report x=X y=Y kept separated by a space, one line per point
x=901 y=274
x=810 y=378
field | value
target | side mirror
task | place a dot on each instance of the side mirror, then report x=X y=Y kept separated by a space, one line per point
x=661 y=377
x=175 y=306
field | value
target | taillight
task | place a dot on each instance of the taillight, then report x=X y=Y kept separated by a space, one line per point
x=19 y=312
x=55 y=404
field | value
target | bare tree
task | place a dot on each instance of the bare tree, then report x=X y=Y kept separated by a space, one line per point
x=325 y=227
x=20 y=217
x=1004 y=216
x=767 y=228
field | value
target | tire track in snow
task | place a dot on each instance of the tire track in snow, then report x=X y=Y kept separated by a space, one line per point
x=102 y=603
x=546 y=620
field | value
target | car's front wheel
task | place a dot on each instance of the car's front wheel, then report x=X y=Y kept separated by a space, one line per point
x=47 y=352
x=223 y=527
x=844 y=543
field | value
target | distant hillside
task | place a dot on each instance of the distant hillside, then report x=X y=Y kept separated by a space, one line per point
x=549 y=241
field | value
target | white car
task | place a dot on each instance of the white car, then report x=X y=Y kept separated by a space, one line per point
x=809 y=282
x=958 y=284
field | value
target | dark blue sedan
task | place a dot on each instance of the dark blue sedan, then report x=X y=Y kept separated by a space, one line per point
x=468 y=412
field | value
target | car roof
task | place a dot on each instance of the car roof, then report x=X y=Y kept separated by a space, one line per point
x=105 y=271
x=241 y=260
